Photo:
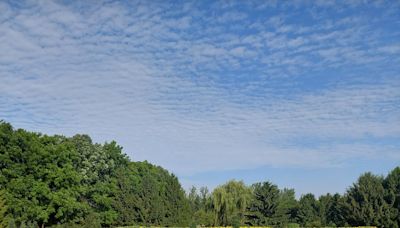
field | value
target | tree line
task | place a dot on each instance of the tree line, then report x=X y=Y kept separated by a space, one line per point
x=58 y=181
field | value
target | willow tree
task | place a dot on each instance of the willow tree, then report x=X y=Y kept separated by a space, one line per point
x=230 y=202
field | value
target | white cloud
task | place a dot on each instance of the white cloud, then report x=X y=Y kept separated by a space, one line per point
x=174 y=89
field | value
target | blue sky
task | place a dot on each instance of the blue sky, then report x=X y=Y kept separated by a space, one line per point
x=302 y=93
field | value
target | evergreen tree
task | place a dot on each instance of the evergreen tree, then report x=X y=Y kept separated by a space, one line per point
x=307 y=213
x=392 y=188
x=365 y=202
x=335 y=214
x=150 y=195
x=264 y=203
x=286 y=209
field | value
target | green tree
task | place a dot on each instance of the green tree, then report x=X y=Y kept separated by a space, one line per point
x=264 y=204
x=194 y=199
x=307 y=213
x=150 y=195
x=38 y=172
x=205 y=198
x=325 y=202
x=365 y=202
x=54 y=179
x=335 y=211
x=286 y=209
x=392 y=188
x=178 y=208
x=3 y=209
x=98 y=165
x=230 y=202
x=126 y=201
x=201 y=206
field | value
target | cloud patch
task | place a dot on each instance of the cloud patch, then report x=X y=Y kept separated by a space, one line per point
x=191 y=88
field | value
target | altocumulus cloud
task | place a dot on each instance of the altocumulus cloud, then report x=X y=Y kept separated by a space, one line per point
x=203 y=86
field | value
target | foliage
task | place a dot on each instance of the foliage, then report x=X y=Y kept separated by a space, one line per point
x=286 y=209
x=332 y=210
x=307 y=213
x=392 y=188
x=150 y=195
x=55 y=179
x=38 y=171
x=230 y=202
x=63 y=181
x=201 y=207
x=3 y=209
x=365 y=203
x=264 y=204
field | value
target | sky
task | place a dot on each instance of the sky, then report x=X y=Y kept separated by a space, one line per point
x=305 y=94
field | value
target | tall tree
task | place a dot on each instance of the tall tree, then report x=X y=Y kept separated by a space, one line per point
x=392 y=188
x=330 y=210
x=201 y=206
x=126 y=201
x=323 y=207
x=97 y=164
x=150 y=195
x=38 y=172
x=308 y=211
x=230 y=202
x=335 y=213
x=178 y=208
x=263 y=205
x=365 y=202
x=194 y=199
x=205 y=197
x=286 y=209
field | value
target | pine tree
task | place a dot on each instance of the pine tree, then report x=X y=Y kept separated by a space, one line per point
x=365 y=202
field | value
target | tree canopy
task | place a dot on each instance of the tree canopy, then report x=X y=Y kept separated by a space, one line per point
x=74 y=182
x=50 y=180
